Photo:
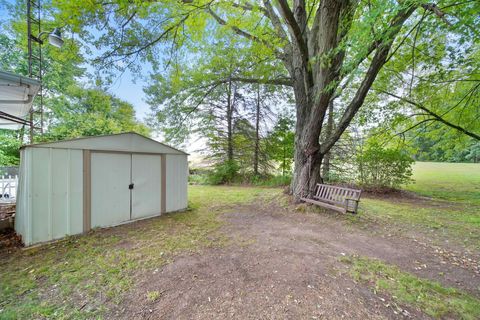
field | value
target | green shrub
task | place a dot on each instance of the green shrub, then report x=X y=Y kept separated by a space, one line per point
x=198 y=179
x=223 y=173
x=273 y=181
x=380 y=167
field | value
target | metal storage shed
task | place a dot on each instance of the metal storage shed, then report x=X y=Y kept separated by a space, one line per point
x=68 y=187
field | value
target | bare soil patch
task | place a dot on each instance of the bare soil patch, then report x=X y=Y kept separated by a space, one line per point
x=283 y=264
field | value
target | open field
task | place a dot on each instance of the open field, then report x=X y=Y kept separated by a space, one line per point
x=243 y=252
x=449 y=181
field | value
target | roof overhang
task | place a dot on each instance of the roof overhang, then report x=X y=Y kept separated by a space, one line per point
x=16 y=98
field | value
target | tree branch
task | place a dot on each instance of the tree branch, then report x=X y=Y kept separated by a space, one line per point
x=249 y=7
x=278 y=81
x=432 y=7
x=277 y=24
x=295 y=29
x=377 y=63
x=434 y=115
x=242 y=33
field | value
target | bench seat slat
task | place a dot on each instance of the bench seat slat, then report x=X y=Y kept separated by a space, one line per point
x=323 y=204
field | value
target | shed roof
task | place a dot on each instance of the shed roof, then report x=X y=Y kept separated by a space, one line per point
x=125 y=142
x=16 y=98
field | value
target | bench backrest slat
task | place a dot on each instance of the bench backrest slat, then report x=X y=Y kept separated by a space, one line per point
x=328 y=195
x=318 y=187
x=335 y=194
x=350 y=194
x=321 y=191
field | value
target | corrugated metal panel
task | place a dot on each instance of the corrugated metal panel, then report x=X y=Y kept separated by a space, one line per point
x=75 y=192
x=126 y=142
x=177 y=180
x=110 y=193
x=60 y=172
x=50 y=197
x=41 y=195
x=20 y=219
x=146 y=177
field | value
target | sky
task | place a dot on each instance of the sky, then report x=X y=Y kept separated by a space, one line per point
x=128 y=89
x=125 y=87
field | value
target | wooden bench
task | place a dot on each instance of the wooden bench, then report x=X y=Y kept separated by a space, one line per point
x=336 y=198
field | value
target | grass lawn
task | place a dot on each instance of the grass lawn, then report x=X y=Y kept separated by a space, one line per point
x=429 y=296
x=80 y=277
x=83 y=277
x=458 y=182
x=454 y=213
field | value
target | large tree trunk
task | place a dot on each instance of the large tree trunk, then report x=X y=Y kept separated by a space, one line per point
x=312 y=95
x=307 y=158
x=229 y=118
x=328 y=133
x=313 y=55
x=314 y=81
x=257 y=134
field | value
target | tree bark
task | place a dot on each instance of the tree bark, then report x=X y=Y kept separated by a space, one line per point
x=229 y=118
x=257 y=134
x=328 y=133
x=314 y=87
x=313 y=55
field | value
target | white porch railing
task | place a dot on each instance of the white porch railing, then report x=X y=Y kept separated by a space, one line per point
x=8 y=188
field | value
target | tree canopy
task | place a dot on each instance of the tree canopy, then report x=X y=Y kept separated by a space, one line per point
x=73 y=106
x=328 y=52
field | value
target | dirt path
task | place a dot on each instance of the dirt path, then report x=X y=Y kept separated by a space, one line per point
x=285 y=265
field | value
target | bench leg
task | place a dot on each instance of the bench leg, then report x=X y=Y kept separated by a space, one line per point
x=355 y=206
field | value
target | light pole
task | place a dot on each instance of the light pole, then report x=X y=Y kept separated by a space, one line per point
x=54 y=38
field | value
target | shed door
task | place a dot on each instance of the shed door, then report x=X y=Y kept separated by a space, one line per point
x=110 y=197
x=146 y=178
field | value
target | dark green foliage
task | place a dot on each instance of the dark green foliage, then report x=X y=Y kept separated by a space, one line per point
x=273 y=181
x=72 y=108
x=473 y=152
x=223 y=173
x=90 y=112
x=280 y=143
x=439 y=143
x=383 y=167
x=9 y=151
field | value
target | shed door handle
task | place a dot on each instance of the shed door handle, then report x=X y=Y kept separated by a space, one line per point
x=130 y=186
